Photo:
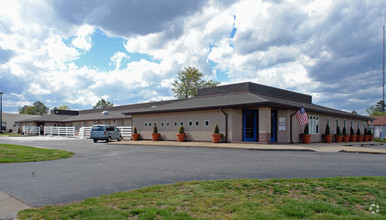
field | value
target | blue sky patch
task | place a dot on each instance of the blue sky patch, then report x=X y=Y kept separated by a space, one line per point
x=103 y=48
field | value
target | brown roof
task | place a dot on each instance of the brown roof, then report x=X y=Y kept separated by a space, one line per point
x=242 y=100
x=379 y=120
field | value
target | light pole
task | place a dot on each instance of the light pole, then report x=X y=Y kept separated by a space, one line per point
x=1 y=112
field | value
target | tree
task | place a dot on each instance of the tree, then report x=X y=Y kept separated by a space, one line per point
x=380 y=106
x=103 y=104
x=62 y=107
x=377 y=110
x=38 y=108
x=354 y=112
x=188 y=82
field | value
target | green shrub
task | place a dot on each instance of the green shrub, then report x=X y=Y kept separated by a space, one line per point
x=338 y=130
x=352 y=131
x=155 y=129
x=344 y=131
x=327 y=129
x=216 y=130
x=306 y=129
x=181 y=130
x=359 y=131
x=135 y=130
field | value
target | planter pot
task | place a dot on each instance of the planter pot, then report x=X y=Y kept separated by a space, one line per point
x=359 y=138
x=306 y=138
x=327 y=138
x=346 y=138
x=155 y=136
x=353 y=138
x=338 y=138
x=371 y=137
x=365 y=138
x=181 y=137
x=135 y=137
x=216 y=138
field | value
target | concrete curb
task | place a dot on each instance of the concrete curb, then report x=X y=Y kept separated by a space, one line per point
x=361 y=152
x=316 y=147
x=10 y=206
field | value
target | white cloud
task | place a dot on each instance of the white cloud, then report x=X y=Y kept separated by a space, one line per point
x=117 y=59
x=36 y=89
x=83 y=39
x=298 y=45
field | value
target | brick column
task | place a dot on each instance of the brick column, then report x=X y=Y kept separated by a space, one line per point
x=265 y=125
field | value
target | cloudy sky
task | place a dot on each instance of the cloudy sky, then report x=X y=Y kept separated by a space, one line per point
x=65 y=52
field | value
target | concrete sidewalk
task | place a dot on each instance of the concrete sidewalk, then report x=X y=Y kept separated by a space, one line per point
x=9 y=206
x=351 y=147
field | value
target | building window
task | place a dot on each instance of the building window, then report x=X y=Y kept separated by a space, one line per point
x=206 y=123
x=314 y=124
x=167 y=124
x=181 y=123
x=197 y=123
x=162 y=123
x=145 y=124
x=190 y=123
x=149 y=124
x=155 y=123
x=175 y=124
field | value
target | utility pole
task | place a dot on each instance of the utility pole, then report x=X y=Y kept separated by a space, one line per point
x=383 y=62
x=1 y=112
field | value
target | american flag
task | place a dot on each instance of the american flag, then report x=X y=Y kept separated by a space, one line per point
x=302 y=116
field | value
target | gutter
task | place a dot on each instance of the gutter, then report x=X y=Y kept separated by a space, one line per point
x=226 y=124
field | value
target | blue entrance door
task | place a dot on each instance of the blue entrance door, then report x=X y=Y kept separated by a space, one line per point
x=249 y=125
x=273 y=125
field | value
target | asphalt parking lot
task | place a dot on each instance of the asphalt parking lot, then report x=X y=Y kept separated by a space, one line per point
x=101 y=168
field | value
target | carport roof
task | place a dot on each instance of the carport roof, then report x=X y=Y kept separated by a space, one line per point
x=47 y=118
x=115 y=112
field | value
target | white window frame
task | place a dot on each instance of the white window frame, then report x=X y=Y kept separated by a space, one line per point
x=313 y=124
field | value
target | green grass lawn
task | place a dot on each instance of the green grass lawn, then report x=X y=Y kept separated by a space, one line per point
x=9 y=134
x=325 y=198
x=10 y=153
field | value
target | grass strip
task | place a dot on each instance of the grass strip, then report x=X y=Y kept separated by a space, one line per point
x=10 y=153
x=10 y=134
x=324 y=198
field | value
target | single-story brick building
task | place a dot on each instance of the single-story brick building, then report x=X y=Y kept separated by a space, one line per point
x=243 y=112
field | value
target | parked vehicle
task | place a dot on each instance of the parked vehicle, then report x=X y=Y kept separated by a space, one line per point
x=105 y=132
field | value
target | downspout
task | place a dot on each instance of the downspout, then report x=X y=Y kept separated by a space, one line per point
x=226 y=124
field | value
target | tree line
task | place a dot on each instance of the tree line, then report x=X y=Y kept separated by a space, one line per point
x=39 y=108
